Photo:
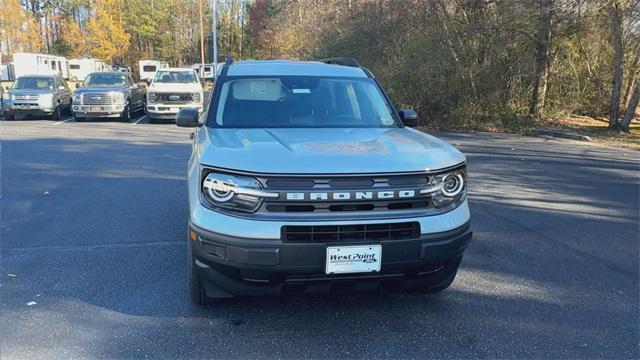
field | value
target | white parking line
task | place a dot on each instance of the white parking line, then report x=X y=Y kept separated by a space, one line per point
x=140 y=119
x=63 y=121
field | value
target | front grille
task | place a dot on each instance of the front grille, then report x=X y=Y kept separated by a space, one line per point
x=21 y=97
x=349 y=184
x=350 y=233
x=96 y=99
x=174 y=98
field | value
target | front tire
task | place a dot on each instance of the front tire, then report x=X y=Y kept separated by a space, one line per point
x=126 y=114
x=57 y=113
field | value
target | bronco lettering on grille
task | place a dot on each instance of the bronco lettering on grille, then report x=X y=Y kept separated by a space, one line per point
x=350 y=195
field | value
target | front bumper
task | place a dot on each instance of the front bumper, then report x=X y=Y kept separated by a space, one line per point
x=234 y=265
x=98 y=110
x=32 y=110
x=167 y=111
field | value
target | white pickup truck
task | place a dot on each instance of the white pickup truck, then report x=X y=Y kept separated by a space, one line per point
x=171 y=90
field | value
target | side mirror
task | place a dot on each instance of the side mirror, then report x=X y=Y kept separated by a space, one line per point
x=78 y=85
x=408 y=117
x=188 y=117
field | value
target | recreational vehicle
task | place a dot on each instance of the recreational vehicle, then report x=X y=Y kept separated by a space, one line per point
x=39 y=64
x=80 y=68
x=148 y=68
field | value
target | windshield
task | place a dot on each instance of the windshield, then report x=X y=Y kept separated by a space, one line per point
x=175 y=77
x=34 y=83
x=105 y=79
x=300 y=102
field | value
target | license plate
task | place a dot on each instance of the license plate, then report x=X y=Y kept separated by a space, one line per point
x=353 y=259
x=95 y=109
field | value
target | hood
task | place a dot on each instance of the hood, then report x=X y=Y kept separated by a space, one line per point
x=176 y=87
x=101 y=89
x=325 y=151
x=31 y=91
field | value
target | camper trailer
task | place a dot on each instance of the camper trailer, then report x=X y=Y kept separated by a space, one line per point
x=6 y=71
x=148 y=68
x=80 y=68
x=39 y=64
x=121 y=68
x=205 y=71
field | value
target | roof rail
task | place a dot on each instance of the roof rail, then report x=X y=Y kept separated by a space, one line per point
x=225 y=67
x=344 y=61
x=347 y=61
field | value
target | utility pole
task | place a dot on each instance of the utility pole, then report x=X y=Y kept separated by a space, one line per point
x=242 y=31
x=201 y=40
x=214 y=31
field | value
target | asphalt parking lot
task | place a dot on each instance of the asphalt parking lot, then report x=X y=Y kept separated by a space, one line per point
x=94 y=264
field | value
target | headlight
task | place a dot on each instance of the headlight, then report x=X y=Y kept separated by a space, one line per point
x=46 y=100
x=448 y=187
x=117 y=97
x=152 y=98
x=77 y=99
x=233 y=192
x=196 y=97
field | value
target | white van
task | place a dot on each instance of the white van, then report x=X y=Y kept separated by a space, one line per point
x=148 y=68
x=80 y=68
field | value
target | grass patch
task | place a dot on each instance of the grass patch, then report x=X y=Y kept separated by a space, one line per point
x=597 y=129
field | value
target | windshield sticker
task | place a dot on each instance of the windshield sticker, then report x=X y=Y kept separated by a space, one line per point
x=258 y=87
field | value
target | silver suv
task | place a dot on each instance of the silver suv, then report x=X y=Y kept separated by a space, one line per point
x=38 y=95
x=304 y=178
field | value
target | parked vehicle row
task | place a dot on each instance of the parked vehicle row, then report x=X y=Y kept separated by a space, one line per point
x=110 y=94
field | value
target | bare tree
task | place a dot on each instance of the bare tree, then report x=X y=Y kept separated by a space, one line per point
x=631 y=109
x=543 y=41
x=615 y=13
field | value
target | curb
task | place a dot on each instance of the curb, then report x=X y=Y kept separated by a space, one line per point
x=561 y=134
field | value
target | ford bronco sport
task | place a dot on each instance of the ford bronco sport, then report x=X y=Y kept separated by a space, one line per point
x=304 y=178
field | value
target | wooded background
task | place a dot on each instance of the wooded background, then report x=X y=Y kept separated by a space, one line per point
x=461 y=63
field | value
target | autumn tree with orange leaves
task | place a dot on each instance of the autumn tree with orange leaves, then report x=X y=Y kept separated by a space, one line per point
x=107 y=36
x=18 y=31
